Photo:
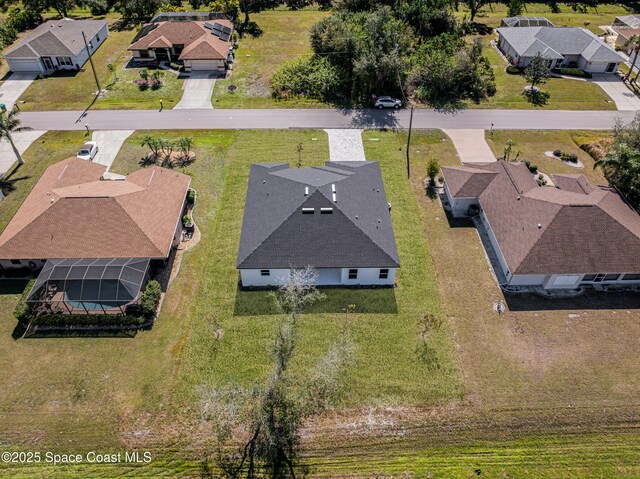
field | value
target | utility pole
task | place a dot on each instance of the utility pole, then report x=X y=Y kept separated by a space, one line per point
x=95 y=75
x=409 y=142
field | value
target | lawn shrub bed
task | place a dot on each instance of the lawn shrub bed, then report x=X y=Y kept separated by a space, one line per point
x=572 y=72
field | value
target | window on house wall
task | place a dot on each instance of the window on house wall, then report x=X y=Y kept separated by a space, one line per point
x=611 y=277
x=97 y=37
x=353 y=274
x=16 y=261
x=64 y=61
x=631 y=277
x=265 y=272
x=144 y=54
x=384 y=273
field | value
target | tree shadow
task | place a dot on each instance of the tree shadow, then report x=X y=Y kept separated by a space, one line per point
x=8 y=184
x=536 y=97
x=370 y=118
x=428 y=356
x=252 y=28
x=380 y=300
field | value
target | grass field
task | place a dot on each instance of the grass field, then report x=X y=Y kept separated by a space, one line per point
x=492 y=14
x=564 y=94
x=546 y=390
x=285 y=36
x=76 y=91
x=533 y=145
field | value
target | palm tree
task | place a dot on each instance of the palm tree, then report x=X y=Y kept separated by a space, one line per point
x=635 y=42
x=9 y=124
x=621 y=166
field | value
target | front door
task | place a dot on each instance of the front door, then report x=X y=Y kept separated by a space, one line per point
x=611 y=67
x=48 y=64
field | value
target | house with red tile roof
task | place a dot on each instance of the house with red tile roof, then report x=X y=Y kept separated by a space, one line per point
x=198 y=40
x=562 y=237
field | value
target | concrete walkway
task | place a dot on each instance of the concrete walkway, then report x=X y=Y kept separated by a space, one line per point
x=613 y=86
x=109 y=144
x=197 y=91
x=471 y=146
x=22 y=141
x=346 y=145
x=14 y=86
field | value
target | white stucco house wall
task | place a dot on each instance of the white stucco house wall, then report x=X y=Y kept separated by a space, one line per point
x=562 y=47
x=57 y=45
x=333 y=218
x=562 y=237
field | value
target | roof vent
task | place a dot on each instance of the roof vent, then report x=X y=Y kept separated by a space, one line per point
x=326 y=211
x=306 y=191
x=335 y=199
x=539 y=226
x=333 y=187
x=308 y=211
x=518 y=198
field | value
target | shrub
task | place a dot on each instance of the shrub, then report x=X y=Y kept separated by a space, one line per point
x=527 y=162
x=433 y=168
x=186 y=219
x=572 y=72
x=541 y=182
x=22 y=311
x=572 y=157
x=511 y=70
x=557 y=152
x=191 y=196
x=533 y=168
x=313 y=77
x=96 y=320
x=150 y=298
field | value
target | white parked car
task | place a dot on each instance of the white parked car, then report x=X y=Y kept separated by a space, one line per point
x=387 y=102
x=88 y=151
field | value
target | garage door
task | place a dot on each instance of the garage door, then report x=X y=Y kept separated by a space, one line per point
x=24 y=65
x=205 y=65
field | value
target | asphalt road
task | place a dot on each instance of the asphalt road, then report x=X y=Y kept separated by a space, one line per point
x=321 y=118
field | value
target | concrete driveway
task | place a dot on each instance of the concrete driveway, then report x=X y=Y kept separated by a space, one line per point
x=345 y=145
x=471 y=146
x=613 y=86
x=109 y=144
x=23 y=141
x=14 y=86
x=197 y=91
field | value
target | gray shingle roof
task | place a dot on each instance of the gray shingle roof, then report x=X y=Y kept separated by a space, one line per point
x=526 y=22
x=56 y=38
x=551 y=41
x=277 y=234
x=573 y=228
x=631 y=21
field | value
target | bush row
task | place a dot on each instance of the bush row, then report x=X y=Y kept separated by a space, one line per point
x=571 y=157
x=572 y=72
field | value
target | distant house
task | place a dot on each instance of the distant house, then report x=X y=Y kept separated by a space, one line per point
x=334 y=218
x=525 y=22
x=198 y=40
x=624 y=37
x=627 y=21
x=557 y=238
x=74 y=217
x=566 y=47
x=57 y=45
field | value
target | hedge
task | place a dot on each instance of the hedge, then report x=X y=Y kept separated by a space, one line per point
x=151 y=298
x=96 y=320
x=572 y=72
x=511 y=70
x=21 y=311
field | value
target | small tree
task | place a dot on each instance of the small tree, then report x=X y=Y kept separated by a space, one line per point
x=184 y=145
x=299 y=151
x=433 y=168
x=166 y=146
x=144 y=74
x=152 y=143
x=537 y=72
x=156 y=76
x=112 y=69
x=508 y=147
x=10 y=124
x=515 y=7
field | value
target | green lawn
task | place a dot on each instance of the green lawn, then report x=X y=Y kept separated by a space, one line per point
x=533 y=145
x=76 y=91
x=492 y=14
x=565 y=94
x=285 y=36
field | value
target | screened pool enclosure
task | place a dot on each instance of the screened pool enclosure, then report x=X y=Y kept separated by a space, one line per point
x=81 y=286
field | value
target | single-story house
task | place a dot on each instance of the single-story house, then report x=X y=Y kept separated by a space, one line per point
x=57 y=45
x=334 y=218
x=561 y=237
x=526 y=22
x=562 y=47
x=198 y=40
x=624 y=39
x=75 y=217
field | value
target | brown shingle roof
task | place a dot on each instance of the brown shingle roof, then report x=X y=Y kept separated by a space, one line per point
x=71 y=213
x=56 y=38
x=574 y=228
x=198 y=42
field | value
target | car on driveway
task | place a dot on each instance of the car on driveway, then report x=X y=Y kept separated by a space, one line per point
x=88 y=151
x=387 y=102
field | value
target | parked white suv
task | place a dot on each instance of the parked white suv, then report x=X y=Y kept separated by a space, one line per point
x=88 y=151
x=387 y=102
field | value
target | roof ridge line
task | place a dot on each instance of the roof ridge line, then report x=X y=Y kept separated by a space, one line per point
x=115 y=199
